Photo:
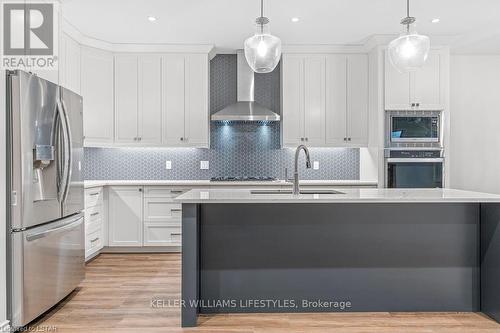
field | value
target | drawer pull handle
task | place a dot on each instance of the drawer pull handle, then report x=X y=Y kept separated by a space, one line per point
x=94 y=214
x=176 y=233
x=176 y=209
x=175 y=192
x=94 y=240
x=93 y=194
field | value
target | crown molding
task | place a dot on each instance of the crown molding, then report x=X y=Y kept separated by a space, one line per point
x=354 y=48
x=85 y=40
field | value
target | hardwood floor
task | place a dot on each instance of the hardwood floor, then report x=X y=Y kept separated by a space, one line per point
x=118 y=289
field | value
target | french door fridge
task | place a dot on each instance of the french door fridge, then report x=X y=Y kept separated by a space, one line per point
x=45 y=143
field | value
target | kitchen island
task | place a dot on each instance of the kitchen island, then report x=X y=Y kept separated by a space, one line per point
x=357 y=250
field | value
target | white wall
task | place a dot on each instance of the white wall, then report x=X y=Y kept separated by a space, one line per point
x=475 y=122
x=3 y=227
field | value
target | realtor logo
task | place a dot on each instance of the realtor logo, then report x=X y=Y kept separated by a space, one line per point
x=29 y=35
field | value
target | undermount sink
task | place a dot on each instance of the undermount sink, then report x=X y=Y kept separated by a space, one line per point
x=301 y=192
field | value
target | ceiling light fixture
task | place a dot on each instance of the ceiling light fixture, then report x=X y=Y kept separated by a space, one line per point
x=295 y=19
x=410 y=50
x=151 y=18
x=435 y=20
x=262 y=50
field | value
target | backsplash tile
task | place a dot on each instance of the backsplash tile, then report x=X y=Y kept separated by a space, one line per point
x=149 y=163
x=237 y=149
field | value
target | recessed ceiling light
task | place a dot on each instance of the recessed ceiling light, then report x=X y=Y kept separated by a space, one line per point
x=151 y=18
x=295 y=19
x=435 y=20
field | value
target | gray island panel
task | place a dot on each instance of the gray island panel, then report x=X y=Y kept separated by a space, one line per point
x=378 y=257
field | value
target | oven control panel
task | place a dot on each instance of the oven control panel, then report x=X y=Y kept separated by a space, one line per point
x=414 y=153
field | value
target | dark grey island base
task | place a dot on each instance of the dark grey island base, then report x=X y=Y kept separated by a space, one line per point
x=283 y=257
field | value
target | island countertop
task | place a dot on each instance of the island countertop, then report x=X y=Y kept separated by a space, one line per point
x=368 y=195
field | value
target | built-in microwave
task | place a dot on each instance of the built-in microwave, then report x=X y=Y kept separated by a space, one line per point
x=415 y=127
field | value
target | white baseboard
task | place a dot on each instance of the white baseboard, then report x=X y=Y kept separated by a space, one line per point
x=145 y=249
x=4 y=326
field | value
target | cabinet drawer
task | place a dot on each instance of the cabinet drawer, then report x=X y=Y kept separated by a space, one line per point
x=161 y=209
x=92 y=226
x=160 y=234
x=93 y=213
x=163 y=192
x=93 y=242
x=93 y=197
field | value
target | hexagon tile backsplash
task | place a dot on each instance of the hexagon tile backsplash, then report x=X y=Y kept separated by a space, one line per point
x=237 y=149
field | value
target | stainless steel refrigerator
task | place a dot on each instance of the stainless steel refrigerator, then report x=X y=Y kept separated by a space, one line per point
x=47 y=247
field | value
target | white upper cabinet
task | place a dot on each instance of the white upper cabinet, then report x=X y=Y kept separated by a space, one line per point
x=427 y=84
x=126 y=99
x=304 y=100
x=70 y=64
x=292 y=107
x=185 y=100
x=137 y=100
x=173 y=99
x=325 y=100
x=357 y=100
x=97 y=92
x=314 y=100
x=197 y=114
x=336 y=101
x=419 y=90
x=347 y=100
x=149 y=120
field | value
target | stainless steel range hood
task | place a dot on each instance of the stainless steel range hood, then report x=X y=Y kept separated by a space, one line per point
x=246 y=109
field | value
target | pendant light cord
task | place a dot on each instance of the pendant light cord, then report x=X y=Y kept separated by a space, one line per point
x=407 y=14
x=261 y=15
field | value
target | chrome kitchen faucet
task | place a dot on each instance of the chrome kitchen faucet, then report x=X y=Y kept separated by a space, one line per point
x=296 y=190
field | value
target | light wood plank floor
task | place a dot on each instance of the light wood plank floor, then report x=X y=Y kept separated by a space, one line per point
x=117 y=292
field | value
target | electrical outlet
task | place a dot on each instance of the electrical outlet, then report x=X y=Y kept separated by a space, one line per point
x=204 y=165
x=168 y=165
x=316 y=165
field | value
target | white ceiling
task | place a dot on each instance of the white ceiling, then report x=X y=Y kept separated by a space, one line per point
x=473 y=24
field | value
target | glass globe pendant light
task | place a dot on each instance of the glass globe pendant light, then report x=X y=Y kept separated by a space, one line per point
x=262 y=50
x=410 y=50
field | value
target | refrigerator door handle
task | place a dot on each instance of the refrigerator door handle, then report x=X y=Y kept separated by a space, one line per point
x=63 y=187
x=68 y=226
x=70 y=151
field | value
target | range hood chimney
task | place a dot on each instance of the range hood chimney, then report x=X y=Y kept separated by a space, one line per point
x=246 y=109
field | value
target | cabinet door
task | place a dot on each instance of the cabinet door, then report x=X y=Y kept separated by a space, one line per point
x=293 y=99
x=427 y=84
x=125 y=216
x=196 y=126
x=126 y=99
x=357 y=99
x=173 y=100
x=149 y=122
x=314 y=100
x=397 y=88
x=336 y=100
x=70 y=64
x=97 y=92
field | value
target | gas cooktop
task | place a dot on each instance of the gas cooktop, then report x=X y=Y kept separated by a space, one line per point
x=242 y=179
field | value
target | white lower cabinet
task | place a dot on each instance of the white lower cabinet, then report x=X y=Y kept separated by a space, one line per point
x=95 y=221
x=125 y=216
x=144 y=216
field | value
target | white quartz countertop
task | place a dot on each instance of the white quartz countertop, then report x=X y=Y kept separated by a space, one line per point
x=194 y=183
x=368 y=195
